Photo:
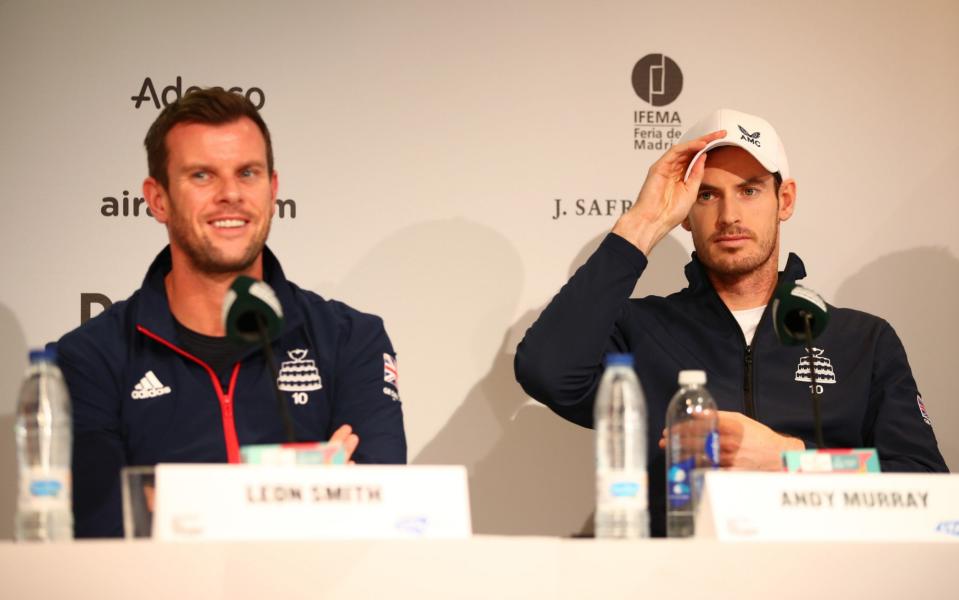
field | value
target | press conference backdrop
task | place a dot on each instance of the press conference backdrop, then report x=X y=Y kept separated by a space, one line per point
x=447 y=165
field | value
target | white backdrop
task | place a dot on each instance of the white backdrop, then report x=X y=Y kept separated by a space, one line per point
x=425 y=145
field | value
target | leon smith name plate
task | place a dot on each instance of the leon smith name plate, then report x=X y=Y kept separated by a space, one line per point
x=257 y=502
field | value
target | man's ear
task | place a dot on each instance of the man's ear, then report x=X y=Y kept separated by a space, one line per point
x=686 y=225
x=157 y=199
x=787 y=199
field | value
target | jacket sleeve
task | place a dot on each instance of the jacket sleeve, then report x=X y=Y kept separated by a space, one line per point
x=901 y=432
x=560 y=360
x=98 y=450
x=367 y=396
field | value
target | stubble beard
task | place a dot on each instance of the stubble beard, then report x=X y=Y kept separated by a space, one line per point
x=733 y=267
x=206 y=257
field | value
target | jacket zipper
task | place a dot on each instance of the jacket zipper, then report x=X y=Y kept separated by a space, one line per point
x=748 y=404
x=226 y=399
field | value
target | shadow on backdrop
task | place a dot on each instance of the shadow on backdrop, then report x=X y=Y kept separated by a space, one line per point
x=916 y=291
x=446 y=290
x=531 y=472
x=13 y=362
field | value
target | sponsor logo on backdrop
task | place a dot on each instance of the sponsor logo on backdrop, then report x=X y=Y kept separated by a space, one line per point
x=88 y=300
x=124 y=206
x=658 y=81
x=150 y=96
x=589 y=207
x=135 y=206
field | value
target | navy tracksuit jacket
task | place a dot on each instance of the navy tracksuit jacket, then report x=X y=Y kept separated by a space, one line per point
x=140 y=399
x=869 y=399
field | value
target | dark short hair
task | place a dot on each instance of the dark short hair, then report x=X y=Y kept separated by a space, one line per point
x=213 y=106
x=778 y=179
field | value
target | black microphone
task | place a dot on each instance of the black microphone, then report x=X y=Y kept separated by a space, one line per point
x=252 y=313
x=795 y=307
x=800 y=316
x=248 y=304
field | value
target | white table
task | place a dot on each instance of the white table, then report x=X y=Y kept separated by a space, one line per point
x=482 y=567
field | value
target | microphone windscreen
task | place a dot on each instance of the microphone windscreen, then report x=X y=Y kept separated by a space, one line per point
x=247 y=301
x=791 y=303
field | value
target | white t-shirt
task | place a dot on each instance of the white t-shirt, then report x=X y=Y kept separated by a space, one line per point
x=748 y=320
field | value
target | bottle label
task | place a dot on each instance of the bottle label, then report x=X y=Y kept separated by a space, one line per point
x=712 y=448
x=678 y=483
x=621 y=489
x=44 y=489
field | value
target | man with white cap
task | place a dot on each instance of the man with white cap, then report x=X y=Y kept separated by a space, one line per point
x=726 y=182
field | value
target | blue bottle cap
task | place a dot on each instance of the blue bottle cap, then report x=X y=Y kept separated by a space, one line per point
x=48 y=354
x=619 y=359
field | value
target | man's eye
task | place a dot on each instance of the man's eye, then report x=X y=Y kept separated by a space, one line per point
x=751 y=191
x=199 y=175
x=247 y=173
x=705 y=196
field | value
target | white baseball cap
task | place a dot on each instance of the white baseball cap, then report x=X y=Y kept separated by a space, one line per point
x=749 y=132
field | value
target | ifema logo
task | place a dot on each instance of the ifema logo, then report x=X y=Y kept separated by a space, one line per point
x=658 y=80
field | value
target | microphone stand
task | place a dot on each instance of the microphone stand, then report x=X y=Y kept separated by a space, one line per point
x=268 y=351
x=816 y=404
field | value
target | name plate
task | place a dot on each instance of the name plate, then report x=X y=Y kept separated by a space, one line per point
x=738 y=506
x=262 y=502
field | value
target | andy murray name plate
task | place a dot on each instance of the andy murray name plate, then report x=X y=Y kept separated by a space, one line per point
x=741 y=506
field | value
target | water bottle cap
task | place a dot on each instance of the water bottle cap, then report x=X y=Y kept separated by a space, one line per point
x=619 y=359
x=692 y=377
x=43 y=355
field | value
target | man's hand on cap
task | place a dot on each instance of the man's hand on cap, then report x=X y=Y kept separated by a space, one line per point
x=665 y=199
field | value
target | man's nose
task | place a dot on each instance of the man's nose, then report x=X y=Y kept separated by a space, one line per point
x=229 y=190
x=729 y=211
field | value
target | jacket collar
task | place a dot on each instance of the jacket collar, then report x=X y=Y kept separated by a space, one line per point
x=699 y=281
x=154 y=308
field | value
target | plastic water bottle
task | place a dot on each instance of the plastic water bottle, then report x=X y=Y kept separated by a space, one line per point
x=43 y=432
x=692 y=447
x=619 y=419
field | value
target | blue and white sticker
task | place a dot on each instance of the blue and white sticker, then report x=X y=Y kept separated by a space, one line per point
x=678 y=489
x=712 y=448
x=949 y=528
x=44 y=488
x=413 y=525
x=622 y=489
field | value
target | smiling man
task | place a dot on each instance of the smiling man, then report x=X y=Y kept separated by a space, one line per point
x=154 y=379
x=727 y=182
